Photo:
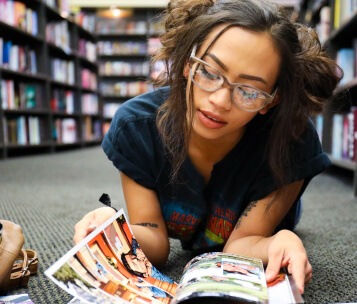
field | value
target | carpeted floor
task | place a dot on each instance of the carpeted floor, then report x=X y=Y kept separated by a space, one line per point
x=48 y=194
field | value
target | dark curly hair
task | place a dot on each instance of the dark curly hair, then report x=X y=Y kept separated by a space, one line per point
x=306 y=79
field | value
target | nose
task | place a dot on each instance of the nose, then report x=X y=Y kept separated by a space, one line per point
x=222 y=98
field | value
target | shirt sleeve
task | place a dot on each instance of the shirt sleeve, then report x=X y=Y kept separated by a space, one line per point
x=128 y=144
x=308 y=161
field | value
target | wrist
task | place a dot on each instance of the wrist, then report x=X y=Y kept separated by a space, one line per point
x=288 y=234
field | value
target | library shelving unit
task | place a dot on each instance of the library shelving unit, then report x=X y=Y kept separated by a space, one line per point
x=48 y=73
x=336 y=22
x=124 y=48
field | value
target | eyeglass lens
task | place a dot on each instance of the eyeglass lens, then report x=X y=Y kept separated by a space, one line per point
x=209 y=79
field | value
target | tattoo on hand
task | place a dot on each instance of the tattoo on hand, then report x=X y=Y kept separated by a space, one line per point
x=250 y=206
x=152 y=225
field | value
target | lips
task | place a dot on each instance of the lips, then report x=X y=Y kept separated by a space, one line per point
x=210 y=120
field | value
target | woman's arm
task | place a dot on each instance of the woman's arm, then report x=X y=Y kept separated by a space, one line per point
x=144 y=216
x=254 y=235
x=146 y=220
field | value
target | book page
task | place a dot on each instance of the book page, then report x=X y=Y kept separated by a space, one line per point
x=108 y=266
x=284 y=290
x=222 y=276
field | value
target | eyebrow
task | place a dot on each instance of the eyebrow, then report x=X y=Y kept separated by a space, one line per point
x=225 y=68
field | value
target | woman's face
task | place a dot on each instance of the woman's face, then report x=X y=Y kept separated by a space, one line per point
x=241 y=56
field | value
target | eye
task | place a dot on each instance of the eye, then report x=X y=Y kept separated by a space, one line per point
x=247 y=94
x=209 y=73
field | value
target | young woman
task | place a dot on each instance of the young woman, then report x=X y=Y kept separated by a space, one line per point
x=221 y=156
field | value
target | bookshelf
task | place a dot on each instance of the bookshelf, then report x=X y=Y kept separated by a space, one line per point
x=124 y=48
x=48 y=73
x=336 y=23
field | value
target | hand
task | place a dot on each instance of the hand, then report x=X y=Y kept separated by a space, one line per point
x=91 y=221
x=12 y=237
x=287 y=250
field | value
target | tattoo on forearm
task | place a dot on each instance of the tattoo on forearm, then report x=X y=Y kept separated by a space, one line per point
x=152 y=225
x=250 y=206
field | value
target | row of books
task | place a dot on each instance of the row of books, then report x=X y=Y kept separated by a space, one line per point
x=90 y=104
x=62 y=71
x=343 y=10
x=85 y=20
x=60 y=5
x=87 y=49
x=122 y=48
x=344 y=135
x=124 y=68
x=323 y=27
x=22 y=130
x=129 y=26
x=27 y=130
x=123 y=88
x=19 y=95
x=110 y=108
x=105 y=126
x=156 y=27
x=63 y=101
x=154 y=44
x=17 y=57
x=89 y=80
x=121 y=26
x=65 y=130
x=346 y=58
x=92 y=129
x=15 y=13
x=58 y=34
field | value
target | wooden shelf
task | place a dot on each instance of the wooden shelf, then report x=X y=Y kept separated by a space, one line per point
x=16 y=34
x=343 y=163
x=345 y=95
x=43 y=87
x=25 y=75
x=122 y=56
x=343 y=36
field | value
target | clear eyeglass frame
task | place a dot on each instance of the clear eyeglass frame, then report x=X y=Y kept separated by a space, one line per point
x=262 y=99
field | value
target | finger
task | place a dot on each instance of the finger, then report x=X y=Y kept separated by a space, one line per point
x=274 y=265
x=82 y=229
x=308 y=278
x=308 y=275
x=90 y=221
x=297 y=270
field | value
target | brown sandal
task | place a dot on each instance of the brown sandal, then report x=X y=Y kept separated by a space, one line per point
x=32 y=262
x=20 y=277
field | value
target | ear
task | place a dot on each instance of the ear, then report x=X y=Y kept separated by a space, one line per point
x=270 y=105
x=186 y=70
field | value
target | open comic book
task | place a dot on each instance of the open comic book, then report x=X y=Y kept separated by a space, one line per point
x=108 y=266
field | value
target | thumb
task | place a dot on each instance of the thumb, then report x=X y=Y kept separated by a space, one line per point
x=273 y=267
x=82 y=234
x=91 y=228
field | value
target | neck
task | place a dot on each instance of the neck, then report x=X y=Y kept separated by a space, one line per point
x=212 y=150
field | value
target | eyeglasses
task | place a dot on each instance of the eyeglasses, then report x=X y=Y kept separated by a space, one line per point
x=210 y=79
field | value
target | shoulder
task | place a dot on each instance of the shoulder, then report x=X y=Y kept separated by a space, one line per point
x=141 y=107
x=308 y=155
x=309 y=139
x=133 y=128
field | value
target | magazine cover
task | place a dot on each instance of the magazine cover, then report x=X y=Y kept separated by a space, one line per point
x=108 y=266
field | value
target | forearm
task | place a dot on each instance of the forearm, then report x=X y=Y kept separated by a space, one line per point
x=154 y=243
x=260 y=247
x=253 y=246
